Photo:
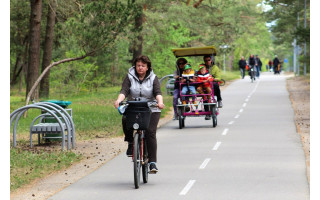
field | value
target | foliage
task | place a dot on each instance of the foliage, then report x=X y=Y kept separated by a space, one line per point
x=287 y=17
x=99 y=22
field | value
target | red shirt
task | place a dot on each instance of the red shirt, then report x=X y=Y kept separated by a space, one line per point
x=203 y=77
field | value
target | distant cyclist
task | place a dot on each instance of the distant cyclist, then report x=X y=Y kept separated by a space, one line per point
x=252 y=63
x=242 y=66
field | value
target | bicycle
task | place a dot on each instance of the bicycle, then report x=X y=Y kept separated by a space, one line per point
x=252 y=74
x=138 y=115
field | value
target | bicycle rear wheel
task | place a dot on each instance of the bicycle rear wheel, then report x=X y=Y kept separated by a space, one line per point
x=145 y=162
x=136 y=160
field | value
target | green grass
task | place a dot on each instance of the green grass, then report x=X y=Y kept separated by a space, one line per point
x=26 y=165
x=230 y=75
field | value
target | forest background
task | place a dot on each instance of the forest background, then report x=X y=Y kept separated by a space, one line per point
x=89 y=46
x=103 y=37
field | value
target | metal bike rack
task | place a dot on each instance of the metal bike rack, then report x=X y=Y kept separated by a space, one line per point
x=52 y=109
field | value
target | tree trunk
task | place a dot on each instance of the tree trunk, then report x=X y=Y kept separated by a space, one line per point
x=48 y=45
x=15 y=74
x=137 y=43
x=231 y=57
x=34 y=48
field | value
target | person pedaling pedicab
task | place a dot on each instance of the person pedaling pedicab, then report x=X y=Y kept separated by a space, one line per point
x=141 y=82
x=181 y=62
x=215 y=71
x=188 y=76
x=205 y=78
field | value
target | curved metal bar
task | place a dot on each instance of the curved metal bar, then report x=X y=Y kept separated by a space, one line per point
x=67 y=121
x=25 y=108
x=166 y=76
x=73 y=130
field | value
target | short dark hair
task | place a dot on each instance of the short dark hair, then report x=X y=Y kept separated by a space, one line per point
x=206 y=56
x=144 y=59
x=183 y=60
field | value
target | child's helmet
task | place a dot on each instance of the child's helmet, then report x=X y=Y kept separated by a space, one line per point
x=187 y=66
x=201 y=66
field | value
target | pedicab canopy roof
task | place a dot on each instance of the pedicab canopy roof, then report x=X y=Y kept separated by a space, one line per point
x=195 y=51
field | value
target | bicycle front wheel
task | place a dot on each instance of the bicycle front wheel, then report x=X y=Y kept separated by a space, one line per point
x=136 y=160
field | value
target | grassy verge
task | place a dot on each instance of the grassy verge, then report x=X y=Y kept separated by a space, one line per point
x=94 y=116
x=26 y=165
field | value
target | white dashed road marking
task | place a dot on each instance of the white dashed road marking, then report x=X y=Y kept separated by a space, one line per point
x=204 y=164
x=187 y=187
x=225 y=131
x=216 y=146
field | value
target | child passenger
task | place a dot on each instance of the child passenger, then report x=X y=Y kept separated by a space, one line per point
x=187 y=77
x=205 y=78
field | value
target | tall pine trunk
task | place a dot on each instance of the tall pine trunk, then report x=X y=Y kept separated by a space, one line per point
x=34 y=48
x=48 y=45
x=137 y=42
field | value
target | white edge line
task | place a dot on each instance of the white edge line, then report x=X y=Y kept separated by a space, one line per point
x=216 y=146
x=225 y=131
x=204 y=164
x=187 y=187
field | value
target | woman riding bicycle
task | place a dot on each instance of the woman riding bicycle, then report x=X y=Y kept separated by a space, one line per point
x=142 y=83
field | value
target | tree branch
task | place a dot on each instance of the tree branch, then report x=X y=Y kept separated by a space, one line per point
x=47 y=69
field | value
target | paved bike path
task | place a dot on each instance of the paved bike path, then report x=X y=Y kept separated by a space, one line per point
x=253 y=153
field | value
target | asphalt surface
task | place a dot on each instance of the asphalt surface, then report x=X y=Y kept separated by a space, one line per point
x=253 y=153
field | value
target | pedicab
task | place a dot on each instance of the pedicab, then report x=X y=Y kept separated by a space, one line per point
x=205 y=104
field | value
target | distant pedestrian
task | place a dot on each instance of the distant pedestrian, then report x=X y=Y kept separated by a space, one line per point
x=276 y=65
x=270 y=63
x=242 y=66
x=258 y=65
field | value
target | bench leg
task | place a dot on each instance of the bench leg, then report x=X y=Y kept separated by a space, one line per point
x=38 y=138
x=30 y=139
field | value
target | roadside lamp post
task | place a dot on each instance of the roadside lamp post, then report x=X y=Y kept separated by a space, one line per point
x=224 y=47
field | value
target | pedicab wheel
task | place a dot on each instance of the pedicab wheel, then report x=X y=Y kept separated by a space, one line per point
x=181 y=122
x=145 y=164
x=214 y=116
x=136 y=161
